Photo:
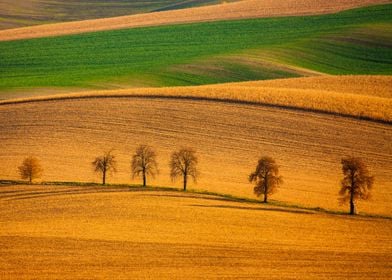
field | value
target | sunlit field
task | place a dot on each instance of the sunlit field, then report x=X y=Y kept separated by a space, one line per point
x=360 y=97
x=89 y=232
x=196 y=139
x=229 y=138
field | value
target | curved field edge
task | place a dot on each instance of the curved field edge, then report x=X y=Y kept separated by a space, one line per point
x=183 y=55
x=229 y=137
x=20 y=13
x=166 y=235
x=361 y=100
x=80 y=188
x=230 y=11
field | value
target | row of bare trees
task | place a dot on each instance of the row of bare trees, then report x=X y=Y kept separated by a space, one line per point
x=183 y=163
x=356 y=183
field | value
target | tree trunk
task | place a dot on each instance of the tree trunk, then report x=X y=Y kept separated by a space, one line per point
x=266 y=188
x=352 y=205
x=352 y=208
x=103 y=177
x=144 y=179
x=185 y=179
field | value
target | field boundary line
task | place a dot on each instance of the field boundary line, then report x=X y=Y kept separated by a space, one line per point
x=108 y=188
x=246 y=9
x=193 y=98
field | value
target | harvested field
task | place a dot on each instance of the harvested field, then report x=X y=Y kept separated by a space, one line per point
x=361 y=84
x=77 y=233
x=365 y=97
x=229 y=137
x=236 y=10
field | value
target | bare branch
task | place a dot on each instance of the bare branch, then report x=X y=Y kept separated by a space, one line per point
x=266 y=177
x=144 y=163
x=184 y=163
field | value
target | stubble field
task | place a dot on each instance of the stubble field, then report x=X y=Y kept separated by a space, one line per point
x=88 y=232
x=67 y=134
x=357 y=96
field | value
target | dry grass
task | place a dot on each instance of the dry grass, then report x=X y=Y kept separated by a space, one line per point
x=236 y=10
x=366 y=97
x=363 y=85
x=78 y=233
x=68 y=134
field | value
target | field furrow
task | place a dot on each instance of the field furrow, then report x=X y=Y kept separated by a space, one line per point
x=70 y=234
x=68 y=134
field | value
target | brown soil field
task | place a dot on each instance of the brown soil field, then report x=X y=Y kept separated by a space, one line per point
x=96 y=233
x=236 y=10
x=229 y=137
x=366 y=97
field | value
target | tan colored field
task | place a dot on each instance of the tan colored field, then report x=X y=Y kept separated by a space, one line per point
x=236 y=10
x=229 y=137
x=20 y=13
x=363 y=85
x=85 y=232
x=368 y=97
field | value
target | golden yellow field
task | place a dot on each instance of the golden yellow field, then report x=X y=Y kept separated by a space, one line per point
x=59 y=232
x=368 y=97
x=67 y=134
x=353 y=84
x=236 y=10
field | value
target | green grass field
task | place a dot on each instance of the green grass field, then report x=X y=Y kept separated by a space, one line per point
x=352 y=42
x=18 y=13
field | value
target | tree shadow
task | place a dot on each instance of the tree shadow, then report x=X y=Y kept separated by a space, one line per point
x=190 y=196
x=42 y=194
x=272 y=209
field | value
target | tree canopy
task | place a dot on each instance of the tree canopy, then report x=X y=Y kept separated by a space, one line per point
x=30 y=169
x=266 y=177
x=184 y=163
x=144 y=163
x=104 y=164
x=356 y=183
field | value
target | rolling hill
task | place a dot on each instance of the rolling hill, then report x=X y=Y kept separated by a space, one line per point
x=306 y=82
x=229 y=135
x=359 y=97
x=25 y=13
x=76 y=232
x=239 y=10
x=352 y=42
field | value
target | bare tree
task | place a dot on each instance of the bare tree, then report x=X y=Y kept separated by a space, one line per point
x=356 y=183
x=30 y=169
x=144 y=163
x=266 y=177
x=104 y=164
x=184 y=163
